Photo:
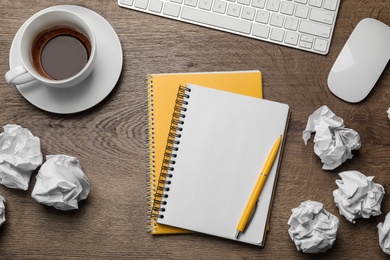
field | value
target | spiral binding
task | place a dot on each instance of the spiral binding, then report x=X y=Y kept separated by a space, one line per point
x=173 y=141
x=151 y=176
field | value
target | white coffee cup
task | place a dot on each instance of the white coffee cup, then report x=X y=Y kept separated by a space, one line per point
x=45 y=21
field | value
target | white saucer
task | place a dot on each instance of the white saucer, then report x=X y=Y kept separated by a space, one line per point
x=92 y=90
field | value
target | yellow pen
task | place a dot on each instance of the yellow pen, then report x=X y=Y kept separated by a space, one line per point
x=251 y=205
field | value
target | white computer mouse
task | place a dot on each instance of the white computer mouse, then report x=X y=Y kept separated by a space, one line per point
x=361 y=61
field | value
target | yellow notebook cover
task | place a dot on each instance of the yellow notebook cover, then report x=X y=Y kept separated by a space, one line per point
x=162 y=91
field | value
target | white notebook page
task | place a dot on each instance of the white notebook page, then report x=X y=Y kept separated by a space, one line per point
x=225 y=141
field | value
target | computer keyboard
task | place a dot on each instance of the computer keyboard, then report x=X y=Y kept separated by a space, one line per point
x=302 y=24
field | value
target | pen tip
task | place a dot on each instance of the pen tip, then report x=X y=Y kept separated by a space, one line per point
x=238 y=234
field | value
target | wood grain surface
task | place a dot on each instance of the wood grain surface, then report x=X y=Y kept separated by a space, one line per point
x=110 y=141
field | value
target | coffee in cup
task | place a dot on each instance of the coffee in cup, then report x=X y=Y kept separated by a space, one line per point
x=57 y=48
x=60 y=52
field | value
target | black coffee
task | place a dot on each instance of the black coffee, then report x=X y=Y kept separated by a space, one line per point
x=60 y=53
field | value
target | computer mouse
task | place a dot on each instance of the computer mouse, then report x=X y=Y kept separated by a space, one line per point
x=361 y=61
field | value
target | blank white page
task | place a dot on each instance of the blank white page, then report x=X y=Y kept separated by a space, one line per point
x=224 y=144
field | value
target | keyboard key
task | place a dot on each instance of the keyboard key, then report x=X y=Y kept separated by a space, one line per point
x=306 y=45
x=156 y=6
x=213 y=19
x=141 y=4
x=262 y=16
x=192 y=3
x=302 y=11
x=291 y=38
x=316 y=3
x=291 y=23
x=277 y=34
x=248 y=13
x=220 y=6
x=234 y=10
x=330 y=4
x=127 y=2
x=261 y=31
x=320 y=45
x=172 y=9
x=205 y=4
x=273 y=5
x=321 y=16
x=287 y=8
x=277 y=20
x=258 y=3
x=244 y=2
x=315 y=29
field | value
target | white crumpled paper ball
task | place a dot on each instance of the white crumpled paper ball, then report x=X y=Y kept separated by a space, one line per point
x=61 y=183
x=333 y=143
x=312 y=228
x=2 y=210
x=20 y=154
x=384 y=234
x=358 y=196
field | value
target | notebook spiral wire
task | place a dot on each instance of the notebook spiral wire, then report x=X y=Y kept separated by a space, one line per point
x=173 y=141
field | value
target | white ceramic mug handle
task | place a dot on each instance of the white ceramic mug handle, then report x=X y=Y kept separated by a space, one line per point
x=18 y=75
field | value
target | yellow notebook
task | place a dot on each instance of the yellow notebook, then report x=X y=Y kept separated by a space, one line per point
x=218 y=145
x=162 y=91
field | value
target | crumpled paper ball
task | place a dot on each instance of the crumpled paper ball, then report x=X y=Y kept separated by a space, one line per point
x=358 y=196
x=2 y=210
x=384 y=234
x=333 y=143
x=388 y=113
x=312 y=228
x=20 y=154
x=61 y=183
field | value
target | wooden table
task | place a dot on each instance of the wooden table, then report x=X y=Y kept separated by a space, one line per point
x=110 y=141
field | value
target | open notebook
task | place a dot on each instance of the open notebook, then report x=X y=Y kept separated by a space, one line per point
x=162 y=91
x=222 y=140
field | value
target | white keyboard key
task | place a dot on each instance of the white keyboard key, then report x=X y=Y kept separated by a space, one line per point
x=291 y=38
x=261 y=31
x=262 y=16
x=273 y=5
x=234 y=10
x=219 y=21
x=321 y=16
x=220 y=6
x=306 y=45
x=127 y=2
x=316 y=3
x=307 y=38
x=244 y=2
x=277 y=20
x=248 y=13
x=172 y=9
x=301 y=1
x=205 y=4
x=277 y=34
x=320 y=45
x=141 y=4
x=315 y=29
x=330 y=4
x=192 y=3
x=291 y=23
x=258 y=3
x=287 y=8
x=156 y=6
x=302 y=11
x=177 y=1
